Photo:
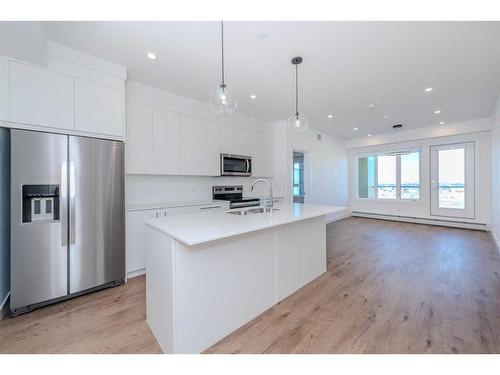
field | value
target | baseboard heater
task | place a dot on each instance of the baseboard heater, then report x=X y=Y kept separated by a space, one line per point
x=418 y=220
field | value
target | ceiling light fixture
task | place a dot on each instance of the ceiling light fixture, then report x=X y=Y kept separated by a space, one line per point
x=253 y=96
x=371 y=105
x=330 y=116
x=369 y=135
x=151 y=56
x=437 y=111
x=355 y=129
x=442 y=123
x=386 y=116
x=395 y=144
x=428 y=89
x=297 y=123
x=222 y=98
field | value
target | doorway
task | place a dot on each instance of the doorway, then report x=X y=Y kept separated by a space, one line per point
x=452 y=180
x=298 y=177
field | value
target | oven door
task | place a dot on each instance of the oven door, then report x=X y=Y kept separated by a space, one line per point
x=236 y=165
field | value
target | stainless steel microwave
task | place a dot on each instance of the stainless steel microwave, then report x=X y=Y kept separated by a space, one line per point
x=235 y=165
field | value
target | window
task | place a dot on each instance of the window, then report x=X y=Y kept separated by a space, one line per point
x=386 y=177
x=389 y=177
x=451 y=178
x=298 y=174
x=410 y=176
x=297 y=179
x=366 y=177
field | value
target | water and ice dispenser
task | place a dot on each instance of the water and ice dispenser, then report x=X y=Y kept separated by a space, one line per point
x=40 y=203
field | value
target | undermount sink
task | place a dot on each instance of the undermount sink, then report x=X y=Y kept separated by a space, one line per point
x=252 y=211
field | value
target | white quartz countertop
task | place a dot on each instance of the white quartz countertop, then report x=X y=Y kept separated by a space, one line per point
x=193 y=229
x=177 y=204
x=157 y=205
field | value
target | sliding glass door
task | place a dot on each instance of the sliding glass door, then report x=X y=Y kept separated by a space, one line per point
x=452 y=180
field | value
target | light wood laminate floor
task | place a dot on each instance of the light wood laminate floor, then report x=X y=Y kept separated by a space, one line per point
x=390 y=288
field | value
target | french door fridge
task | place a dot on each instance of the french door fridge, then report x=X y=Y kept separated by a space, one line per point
x=67 y=217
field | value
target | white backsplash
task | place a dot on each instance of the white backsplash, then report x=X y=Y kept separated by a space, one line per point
x=142 y=189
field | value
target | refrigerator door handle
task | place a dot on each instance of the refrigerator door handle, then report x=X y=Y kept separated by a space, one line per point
x=72 y=200
x=64 y=203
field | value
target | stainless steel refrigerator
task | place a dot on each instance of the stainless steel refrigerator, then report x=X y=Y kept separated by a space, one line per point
x=67 y=217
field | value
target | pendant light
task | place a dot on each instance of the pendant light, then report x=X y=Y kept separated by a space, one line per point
x=222 y=98
x=297 y=123
x=396 y=143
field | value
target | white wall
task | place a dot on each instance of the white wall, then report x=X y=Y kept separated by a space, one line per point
x=477 y=131
x=495 y=173
x=325 y=166
x=23 y=41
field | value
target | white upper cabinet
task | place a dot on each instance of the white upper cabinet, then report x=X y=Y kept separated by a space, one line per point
x=244 y=142
x=98 y=109
x=40 y=97
x=262 y=155
x=199 y=146
x=139 y=146
x=4 y=89
x=166 y=142
x=235 y=140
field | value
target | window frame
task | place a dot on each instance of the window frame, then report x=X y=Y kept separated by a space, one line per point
x=398 y=177
x=301 y=184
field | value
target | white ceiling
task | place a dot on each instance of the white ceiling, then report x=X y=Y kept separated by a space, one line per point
x=347 y=65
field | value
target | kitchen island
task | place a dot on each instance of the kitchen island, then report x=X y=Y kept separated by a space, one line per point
x=209 y=273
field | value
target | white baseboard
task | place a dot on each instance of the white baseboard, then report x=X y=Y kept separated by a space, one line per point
x=331 y=219
x=4 y=307
x=416 y=220
x=495 y=239
x=136 y=273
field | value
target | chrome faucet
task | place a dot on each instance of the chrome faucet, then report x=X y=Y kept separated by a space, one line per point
x=269 y=203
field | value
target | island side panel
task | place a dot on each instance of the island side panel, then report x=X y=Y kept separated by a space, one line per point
x=160 y=287
x=300 y=255
x=220 y=286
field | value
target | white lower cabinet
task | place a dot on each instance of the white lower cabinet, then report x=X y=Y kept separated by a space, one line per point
x=135 y=241
x=136 y=234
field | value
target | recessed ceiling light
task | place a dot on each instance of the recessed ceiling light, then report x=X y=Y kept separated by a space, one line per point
x=371 y=105
x=386 y=116
x=253 y=96
x=355 y=129
x=442 y=123
x=330 y=116
x=428 y=89
x=437 y=111
x=369 y=135
x=151 y=56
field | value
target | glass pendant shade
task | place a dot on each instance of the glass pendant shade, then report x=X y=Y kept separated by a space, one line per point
x=222 y=99
x=298 y=124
